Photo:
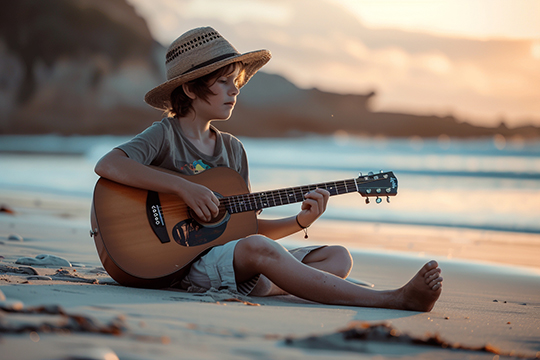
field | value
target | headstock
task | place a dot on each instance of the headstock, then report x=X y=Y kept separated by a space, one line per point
x=377 y=185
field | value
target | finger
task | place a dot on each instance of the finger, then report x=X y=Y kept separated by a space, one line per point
x=311 y=206
x=207 y=212
x=200 y=212
x=324 y=199
x=214 y=209
x=211 y=202
x=325 y=193
x=318 y=195
x=215 y=199
x=315 y=195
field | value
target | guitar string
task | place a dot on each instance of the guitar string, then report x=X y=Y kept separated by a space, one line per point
x=245 y=202
x=283 y=196
x=249 y=201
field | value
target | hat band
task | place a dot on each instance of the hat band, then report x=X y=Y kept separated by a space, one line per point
x=209 y=62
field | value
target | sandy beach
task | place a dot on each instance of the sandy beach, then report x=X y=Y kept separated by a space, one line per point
x=489 y=308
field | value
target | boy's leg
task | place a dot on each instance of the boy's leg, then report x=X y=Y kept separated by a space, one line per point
x=259 y=255
x=334 y=259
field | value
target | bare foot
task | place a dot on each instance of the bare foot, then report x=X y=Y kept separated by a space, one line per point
x=423 y=290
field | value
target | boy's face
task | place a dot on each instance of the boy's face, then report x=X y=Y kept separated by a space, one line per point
x=220 y=103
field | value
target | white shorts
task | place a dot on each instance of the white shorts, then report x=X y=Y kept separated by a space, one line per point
x=216 y=270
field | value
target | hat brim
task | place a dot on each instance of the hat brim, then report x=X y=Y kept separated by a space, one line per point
x=160 y=96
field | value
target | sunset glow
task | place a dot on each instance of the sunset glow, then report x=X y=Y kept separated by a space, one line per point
x=470 y=59
x=483 y=19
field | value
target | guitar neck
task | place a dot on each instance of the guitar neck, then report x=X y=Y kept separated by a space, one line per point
x=267 y=199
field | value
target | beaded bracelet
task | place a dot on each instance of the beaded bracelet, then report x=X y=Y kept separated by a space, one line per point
x=302 y=227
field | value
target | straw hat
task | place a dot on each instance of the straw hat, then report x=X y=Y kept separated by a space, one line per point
x=199 y=52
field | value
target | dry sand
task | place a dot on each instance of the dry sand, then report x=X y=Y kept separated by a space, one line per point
x=489 y=309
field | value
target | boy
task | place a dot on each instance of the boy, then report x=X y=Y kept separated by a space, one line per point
x=205 y=73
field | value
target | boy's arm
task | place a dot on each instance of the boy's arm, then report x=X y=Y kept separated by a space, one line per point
x=117 y=166
x=313 y=207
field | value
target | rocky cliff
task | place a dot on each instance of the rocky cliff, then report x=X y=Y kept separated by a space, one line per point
x=75 y=66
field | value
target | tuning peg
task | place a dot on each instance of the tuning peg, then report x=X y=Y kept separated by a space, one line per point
x=370 y=173
x=360 y=174
x=378 y=200
x=381 y=171
x=367 y=200
x=388 y=199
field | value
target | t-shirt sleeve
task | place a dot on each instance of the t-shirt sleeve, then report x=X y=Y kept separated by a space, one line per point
x=145 y=147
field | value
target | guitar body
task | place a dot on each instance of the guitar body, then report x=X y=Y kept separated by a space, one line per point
x=148 y=239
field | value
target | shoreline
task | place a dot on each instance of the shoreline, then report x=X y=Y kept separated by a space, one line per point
x=467 y=244
x=444 y=243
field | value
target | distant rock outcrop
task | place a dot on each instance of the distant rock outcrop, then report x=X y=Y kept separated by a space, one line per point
x=83 y=67
x=75 y=66
x=270 y=105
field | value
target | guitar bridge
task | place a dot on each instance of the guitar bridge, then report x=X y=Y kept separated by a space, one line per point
x=154 y=213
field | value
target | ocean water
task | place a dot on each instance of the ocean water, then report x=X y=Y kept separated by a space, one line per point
x=489 y=184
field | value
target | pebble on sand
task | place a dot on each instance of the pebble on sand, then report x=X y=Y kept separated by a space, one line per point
x=44 y=260
x=15 y=237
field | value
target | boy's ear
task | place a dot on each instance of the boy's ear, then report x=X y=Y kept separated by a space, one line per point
x=190 y=94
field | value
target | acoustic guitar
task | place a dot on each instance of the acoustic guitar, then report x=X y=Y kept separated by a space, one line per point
x=149 y=239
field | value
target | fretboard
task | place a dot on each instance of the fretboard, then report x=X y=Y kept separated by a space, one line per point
x=267 y=199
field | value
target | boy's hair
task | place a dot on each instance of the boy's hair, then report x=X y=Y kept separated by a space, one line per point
x=181 y=104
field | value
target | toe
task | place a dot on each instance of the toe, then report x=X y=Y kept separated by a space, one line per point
x=431 y=272
x=430 y=278
x=431 y=265
x=435 y=281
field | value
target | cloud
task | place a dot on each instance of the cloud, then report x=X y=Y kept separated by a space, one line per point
x=317 y=43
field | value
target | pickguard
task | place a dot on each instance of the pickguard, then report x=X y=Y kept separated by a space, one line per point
x=190 y=233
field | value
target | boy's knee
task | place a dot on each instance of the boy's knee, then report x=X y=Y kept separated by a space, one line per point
x=340 y=255
x=258 y=248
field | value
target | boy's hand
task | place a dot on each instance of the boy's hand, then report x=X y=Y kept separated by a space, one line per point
x=201 y=200
x=313 y=207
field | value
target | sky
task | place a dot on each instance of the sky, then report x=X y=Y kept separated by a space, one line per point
x=484 y=19
x=478 y=60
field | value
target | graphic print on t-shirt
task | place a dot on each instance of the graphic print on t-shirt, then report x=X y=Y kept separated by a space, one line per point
x=196 y=167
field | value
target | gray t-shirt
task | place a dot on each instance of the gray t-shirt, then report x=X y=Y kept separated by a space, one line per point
x=163 y=145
